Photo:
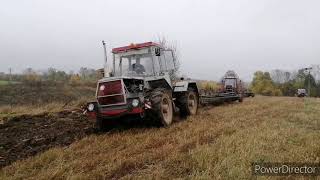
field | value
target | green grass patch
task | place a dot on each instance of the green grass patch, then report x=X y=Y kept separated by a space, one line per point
x=4 y=83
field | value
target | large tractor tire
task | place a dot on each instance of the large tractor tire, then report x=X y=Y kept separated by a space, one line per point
x=241 y=98
x=162 y=107
x=188 y=103
x=99 y=124
x=104 y=125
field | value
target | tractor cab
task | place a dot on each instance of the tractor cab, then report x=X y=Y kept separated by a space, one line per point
x=231 y=83
x=142 y=60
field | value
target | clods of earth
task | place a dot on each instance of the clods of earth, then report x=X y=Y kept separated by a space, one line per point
x=27 y=135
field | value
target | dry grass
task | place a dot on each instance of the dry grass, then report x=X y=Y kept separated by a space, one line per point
x=220 y=143
x=7 y=111
x=30 y=109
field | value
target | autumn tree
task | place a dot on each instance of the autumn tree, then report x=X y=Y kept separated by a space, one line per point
x=31 y=75
x=263 y=84
x=174 y=47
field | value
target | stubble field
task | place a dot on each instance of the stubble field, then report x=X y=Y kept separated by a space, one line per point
x=220 y=142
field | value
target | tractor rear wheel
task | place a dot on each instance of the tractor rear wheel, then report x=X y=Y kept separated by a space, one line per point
x=162 y=106
x=188 y=103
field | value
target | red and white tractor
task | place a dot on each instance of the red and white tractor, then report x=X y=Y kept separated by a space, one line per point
x=140 y=86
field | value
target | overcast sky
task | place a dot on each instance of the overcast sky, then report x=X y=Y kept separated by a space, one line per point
x=213 y=35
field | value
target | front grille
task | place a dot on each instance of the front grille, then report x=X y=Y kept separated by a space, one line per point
x=111 y=93
x=229 y=88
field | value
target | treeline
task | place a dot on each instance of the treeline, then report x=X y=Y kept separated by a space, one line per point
x=38 y=88
x=285 y=83
x=52 y=75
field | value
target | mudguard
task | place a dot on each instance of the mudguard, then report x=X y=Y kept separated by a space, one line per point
x=182 y=86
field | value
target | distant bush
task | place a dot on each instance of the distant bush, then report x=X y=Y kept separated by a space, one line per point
x=209 y=85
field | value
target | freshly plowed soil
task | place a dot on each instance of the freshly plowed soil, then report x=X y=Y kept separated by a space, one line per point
x=27 y=135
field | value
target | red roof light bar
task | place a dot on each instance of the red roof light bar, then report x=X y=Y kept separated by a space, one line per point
x=134 y=46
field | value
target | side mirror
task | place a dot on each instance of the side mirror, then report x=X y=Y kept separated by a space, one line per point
x=157 y=51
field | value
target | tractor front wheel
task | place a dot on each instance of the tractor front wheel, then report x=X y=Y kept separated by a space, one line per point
x=241 y=98
x=104 y=124
x=162 y=107
x=99 y=124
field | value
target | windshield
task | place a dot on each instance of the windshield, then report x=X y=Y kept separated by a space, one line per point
x=230 y=82
x=133 y=65
x=143 y=62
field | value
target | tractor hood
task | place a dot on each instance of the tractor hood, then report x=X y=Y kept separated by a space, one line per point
x=106 y=79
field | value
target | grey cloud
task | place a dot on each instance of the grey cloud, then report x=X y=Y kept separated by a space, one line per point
x=213 y=36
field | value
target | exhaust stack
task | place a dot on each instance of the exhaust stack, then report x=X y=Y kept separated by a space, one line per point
x=106 y=69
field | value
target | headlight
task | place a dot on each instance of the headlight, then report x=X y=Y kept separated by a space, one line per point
x=102 y=87
x=135 y=102
x=90 y=107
